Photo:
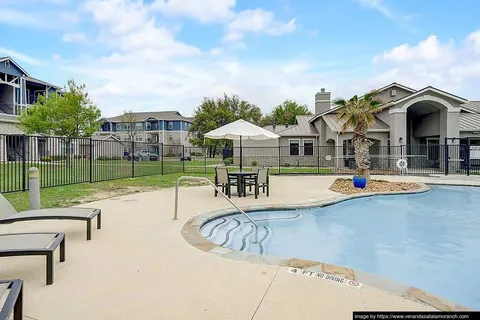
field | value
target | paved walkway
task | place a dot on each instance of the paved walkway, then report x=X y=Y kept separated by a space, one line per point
x=140 y=267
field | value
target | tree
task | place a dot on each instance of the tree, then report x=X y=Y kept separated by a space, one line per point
x=128 y=118
x=359 y=114
x=213 y=113
x=267 y=120
x=286 y=113
x=68 y=115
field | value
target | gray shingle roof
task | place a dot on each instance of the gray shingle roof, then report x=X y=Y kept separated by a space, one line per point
x=277 y=128
x=469 y=122
x=336 y=124
x=473 y=106
x=159 y=115
x=302 y=128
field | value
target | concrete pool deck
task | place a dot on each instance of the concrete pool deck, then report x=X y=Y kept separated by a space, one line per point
x=139 y=266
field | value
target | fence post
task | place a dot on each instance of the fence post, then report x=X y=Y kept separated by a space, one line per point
x=279 y=154
x=467 y=156
x=133 y=158
x=446 y=156
x=161 y=156
x=183 y=157
x=205 y=159
x=91 y=160
x=318 y=159
x=24 y=163
x=34 y=190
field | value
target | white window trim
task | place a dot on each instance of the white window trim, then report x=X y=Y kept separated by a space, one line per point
x=313 y=146
x=290 y=146
x=170 y=124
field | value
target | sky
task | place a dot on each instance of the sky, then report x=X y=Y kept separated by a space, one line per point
x=153 y=55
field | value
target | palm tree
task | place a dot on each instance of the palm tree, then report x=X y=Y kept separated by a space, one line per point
x=359 y=114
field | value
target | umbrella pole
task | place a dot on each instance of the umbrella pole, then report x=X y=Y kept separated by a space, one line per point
x=241 y=155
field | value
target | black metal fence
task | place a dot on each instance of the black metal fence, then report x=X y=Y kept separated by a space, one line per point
x=63 y=161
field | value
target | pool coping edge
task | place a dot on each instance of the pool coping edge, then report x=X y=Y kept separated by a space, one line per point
x=191 y=233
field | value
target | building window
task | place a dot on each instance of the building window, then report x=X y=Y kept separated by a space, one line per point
x=170 y=137
x=170 y=125
x=308 y=147
x=138 y=138
x=294 y=147
x=7 y=64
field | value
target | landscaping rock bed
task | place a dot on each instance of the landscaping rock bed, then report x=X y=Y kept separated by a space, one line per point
x=345 y=186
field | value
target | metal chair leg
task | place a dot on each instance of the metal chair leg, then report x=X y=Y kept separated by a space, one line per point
x=49 y=260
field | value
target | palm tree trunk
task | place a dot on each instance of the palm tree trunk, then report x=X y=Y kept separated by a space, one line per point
x=362 y=154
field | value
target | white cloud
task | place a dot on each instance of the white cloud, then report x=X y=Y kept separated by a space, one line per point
x=74 y=37
x=473 y=41
x=444 y=64
x=38 y=20
x=256 y=21
x=201 y=10
x=403 y=20
x=144 y=67
x=20 y=57
x=119 y=16
x=378 y=5
x=430 y=50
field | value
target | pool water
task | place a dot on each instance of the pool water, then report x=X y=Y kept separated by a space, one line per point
x=429 y=240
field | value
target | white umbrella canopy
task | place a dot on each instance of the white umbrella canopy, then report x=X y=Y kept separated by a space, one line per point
x=241 y=130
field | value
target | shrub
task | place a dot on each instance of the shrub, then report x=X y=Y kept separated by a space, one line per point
x=196 y=154
x=286 y=165
x=78 y=156
x=59 y=157
x=103 y=158
x=228 y=161
x=254 y=163
x=46 y=159
x=116 y=158
x=170 y=154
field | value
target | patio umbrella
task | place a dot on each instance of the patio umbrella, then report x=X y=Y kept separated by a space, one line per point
x=239 y=130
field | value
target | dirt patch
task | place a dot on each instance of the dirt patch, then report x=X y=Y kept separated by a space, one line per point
x=107 y=194
x=345 y=186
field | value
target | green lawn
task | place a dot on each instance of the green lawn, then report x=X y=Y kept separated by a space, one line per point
x=12 y=177
x=75 y=194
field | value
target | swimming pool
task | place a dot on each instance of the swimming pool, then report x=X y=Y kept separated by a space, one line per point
x=429 y=240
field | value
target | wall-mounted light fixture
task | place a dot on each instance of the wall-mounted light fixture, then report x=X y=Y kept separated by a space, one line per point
x=400 y=140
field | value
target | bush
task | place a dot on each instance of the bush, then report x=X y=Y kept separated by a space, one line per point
x=46 y=159
x=103 y=158
x=116 y=158
x=286 y=165
x=170 y=155
x=78 y=156
x=196 y=154
x=228 y=161
x=59 y=157
x=254 y=163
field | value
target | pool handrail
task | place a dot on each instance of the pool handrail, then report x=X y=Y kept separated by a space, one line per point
x=175 y=214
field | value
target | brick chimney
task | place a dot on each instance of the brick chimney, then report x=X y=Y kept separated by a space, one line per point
x=322 y=101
